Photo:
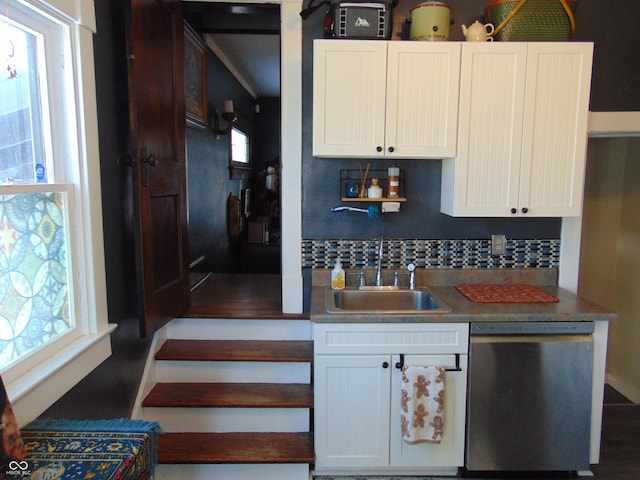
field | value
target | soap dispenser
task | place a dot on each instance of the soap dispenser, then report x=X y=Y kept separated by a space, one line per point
x=337 y=276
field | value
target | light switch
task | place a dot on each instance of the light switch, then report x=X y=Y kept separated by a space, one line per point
x=498 y=245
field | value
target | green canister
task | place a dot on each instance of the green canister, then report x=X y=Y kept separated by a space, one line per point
x=430 y=21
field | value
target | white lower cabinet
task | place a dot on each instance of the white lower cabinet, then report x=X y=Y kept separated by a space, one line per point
x=352 y=406
x=357 y=408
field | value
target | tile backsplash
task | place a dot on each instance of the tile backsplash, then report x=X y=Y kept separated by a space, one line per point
x=397 y=253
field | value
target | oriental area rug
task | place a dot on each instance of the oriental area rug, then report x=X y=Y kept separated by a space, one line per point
x=119 y=449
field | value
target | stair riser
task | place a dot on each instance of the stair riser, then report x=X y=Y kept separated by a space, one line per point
x=224 y=329
x=233 y=472
x=229 y=419
x=232 y=372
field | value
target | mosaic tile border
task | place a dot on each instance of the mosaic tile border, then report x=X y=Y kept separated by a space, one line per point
x=532 y=253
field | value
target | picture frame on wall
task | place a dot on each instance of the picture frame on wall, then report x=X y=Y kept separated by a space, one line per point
x=195 y=79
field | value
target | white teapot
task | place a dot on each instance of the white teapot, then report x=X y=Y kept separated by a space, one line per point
x=478 y=32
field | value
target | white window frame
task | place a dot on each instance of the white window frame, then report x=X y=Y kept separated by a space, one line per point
x=36 y=382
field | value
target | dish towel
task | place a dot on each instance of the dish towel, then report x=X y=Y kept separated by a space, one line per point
x=422 y=402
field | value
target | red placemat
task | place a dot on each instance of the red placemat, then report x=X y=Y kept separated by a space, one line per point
x=505 y=294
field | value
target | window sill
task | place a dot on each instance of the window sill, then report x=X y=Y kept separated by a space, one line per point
x=42 y=386
x=239 y=172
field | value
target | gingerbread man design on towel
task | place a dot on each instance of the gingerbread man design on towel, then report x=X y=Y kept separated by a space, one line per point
x=422 y=404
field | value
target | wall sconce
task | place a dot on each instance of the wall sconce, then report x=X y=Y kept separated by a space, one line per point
x=229 y=115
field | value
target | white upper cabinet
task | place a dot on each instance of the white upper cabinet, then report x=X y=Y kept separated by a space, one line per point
x=349 y=91
x=385 y=98
x=554 y=140
x=522 y=131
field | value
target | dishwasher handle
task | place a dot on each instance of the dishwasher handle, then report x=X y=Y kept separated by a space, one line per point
x=477 y=339
x=531 y=328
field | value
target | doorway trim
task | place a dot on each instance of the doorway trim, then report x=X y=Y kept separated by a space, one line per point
x=290 y=149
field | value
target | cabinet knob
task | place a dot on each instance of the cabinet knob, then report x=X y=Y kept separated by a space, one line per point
x=390 y=149
x=525 y=210
x=378 y=148
x=514 y=211
x=385 y=364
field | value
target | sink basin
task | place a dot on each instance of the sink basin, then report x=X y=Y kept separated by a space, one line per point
x=384 y=301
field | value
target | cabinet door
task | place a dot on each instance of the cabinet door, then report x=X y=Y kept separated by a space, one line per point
x=351 y=410
x=422 y=99
x=555 y=128
x=450 y=451
x=483 y=180
x=349 y=82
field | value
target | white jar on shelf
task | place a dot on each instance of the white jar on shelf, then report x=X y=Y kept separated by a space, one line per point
x=375 y=190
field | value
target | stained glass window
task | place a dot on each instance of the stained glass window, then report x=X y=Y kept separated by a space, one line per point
x=34 y=298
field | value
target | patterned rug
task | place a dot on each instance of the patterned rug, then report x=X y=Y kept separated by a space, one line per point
x=120 y=449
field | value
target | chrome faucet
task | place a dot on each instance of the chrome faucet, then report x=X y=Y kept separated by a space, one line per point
x=412 y=276
x=379 y=269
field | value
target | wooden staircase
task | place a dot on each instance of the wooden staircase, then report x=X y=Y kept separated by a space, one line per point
x=231 y=407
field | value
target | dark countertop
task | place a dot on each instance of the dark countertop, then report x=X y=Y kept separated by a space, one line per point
x=442 y=284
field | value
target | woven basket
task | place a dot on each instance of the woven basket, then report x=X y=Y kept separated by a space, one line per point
x=532 y=20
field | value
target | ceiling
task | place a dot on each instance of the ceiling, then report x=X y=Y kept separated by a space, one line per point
x=246 y=38
x=253 y=59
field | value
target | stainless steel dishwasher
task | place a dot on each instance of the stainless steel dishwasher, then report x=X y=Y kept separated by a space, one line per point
x=529 y=396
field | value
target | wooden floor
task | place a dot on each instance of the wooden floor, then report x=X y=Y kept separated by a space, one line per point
x=239 y=296
x=620 y=451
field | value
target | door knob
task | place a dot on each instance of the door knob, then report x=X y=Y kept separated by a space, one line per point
x=148 y=160
x=385 y=364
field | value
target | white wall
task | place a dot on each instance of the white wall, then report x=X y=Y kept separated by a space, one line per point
x=610 y=253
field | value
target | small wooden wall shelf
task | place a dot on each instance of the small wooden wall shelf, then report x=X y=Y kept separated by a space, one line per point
x=367 y=199
x=348 y=176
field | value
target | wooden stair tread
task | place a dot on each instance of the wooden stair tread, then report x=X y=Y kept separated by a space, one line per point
x=237 y=350
x=229 y=395
x=251 y=447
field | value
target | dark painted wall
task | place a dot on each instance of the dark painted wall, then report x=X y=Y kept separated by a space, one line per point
x=208 y=182
x=267 y=132
x=613 y=27
x=109 y=391
x=420 y=216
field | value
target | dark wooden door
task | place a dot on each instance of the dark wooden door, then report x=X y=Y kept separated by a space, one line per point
x=157 y=149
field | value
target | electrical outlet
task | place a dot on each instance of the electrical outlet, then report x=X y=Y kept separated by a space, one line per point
x=498 y=245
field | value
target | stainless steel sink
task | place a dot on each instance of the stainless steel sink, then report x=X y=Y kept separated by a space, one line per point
x=384 y=301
